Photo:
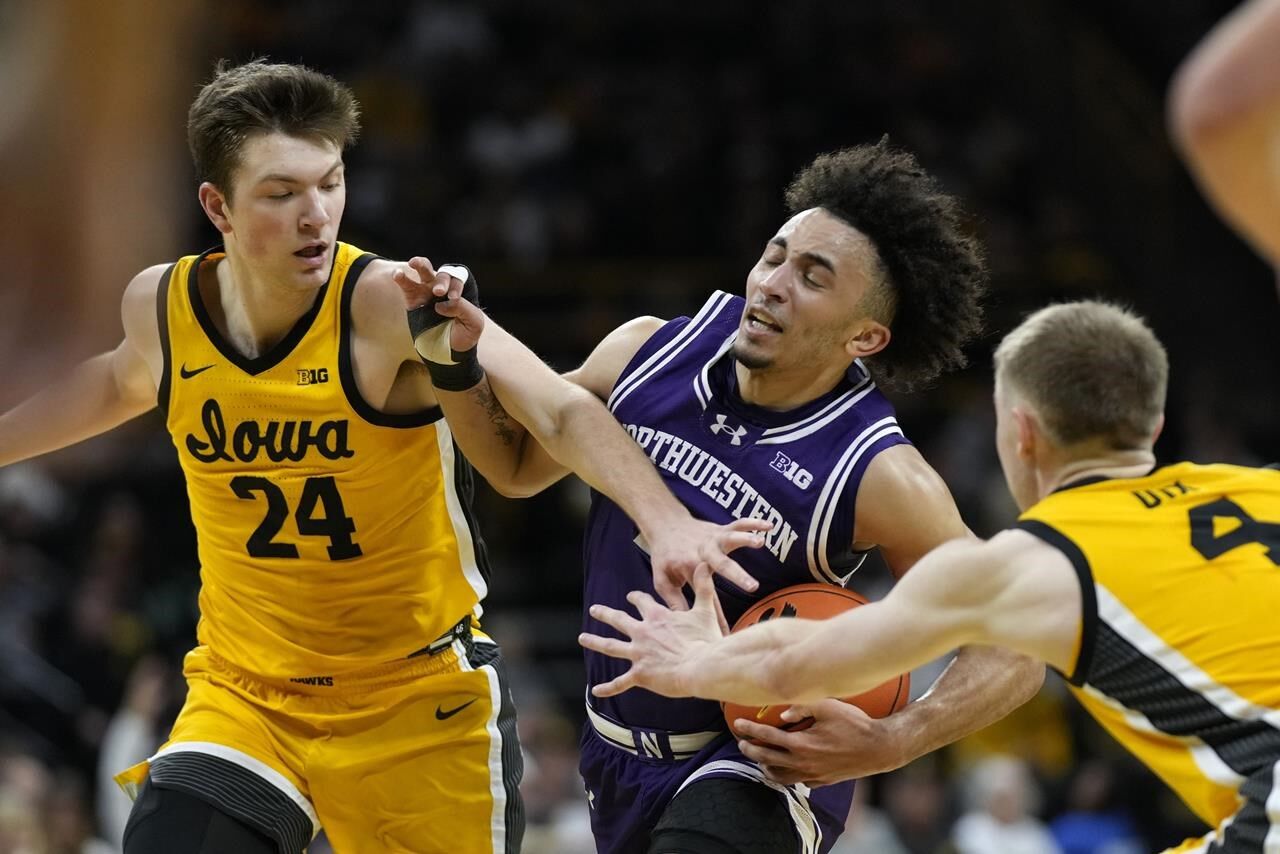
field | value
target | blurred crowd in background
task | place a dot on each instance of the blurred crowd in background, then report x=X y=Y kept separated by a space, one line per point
x=593 y=162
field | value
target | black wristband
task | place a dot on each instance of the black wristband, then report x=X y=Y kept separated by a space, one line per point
x=463 y=374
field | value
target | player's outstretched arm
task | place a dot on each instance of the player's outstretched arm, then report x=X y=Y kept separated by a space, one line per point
x=906 y=508
x=575 y=429
x=1012 y=591
x=99 y=393
x=1224 y=111
x=536 y=468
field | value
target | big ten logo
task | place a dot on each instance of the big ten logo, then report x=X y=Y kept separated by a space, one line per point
x=791 y=470
x=312 y=376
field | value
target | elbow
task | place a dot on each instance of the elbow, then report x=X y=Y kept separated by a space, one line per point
x=555 y=425
x=508 y=489
x=515 y=487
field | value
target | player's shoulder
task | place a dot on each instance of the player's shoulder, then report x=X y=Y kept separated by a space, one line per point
x=140 y=309
x=377 y=303
x=901 y=471
x=146 y=284
x=602 y=369
x=633 y=332
x=138 y=303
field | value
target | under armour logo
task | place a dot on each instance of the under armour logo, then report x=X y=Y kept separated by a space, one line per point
x=735 y=433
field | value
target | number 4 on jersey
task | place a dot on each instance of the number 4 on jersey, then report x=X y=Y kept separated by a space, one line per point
x=1206 y=540
x=317 y=492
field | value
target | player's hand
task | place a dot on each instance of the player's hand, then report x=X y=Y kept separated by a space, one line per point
x=664 y=644
x=679 y=548
x=421 y=282
x=844 y=743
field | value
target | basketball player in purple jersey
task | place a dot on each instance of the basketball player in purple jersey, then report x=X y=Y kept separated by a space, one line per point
x=767 y=407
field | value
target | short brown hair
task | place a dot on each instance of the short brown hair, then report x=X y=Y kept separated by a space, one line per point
x=1091 y=370
x=261 y=97
x=931 y=275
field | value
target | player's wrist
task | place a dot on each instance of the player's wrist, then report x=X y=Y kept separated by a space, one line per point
x=901 y=738
x=450 y=369
x=657 y=515
x=462 y=373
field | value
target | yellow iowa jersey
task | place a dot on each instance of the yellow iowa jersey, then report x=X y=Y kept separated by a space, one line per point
x=331 y=536
x=1179 y=653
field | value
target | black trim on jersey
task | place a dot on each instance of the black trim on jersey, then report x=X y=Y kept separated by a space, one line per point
x=238 y=792
x=1088 y=595
x=1272 y=466
x=162 y=325
x=1124 y=673
x=487 y=655
x=272 y=357
x=346 y=370
x=1084 y=481
x=1098 y=478
x=464 y=483
x=1248 y=829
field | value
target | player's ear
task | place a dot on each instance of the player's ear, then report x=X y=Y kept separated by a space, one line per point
x=216 y=207
x=1030 y=436
x=872 y=337
x=1155 y=434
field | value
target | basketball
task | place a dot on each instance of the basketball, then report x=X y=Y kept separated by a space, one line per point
x=815 y=602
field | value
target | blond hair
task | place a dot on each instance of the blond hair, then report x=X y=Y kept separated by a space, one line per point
x=1092 y=371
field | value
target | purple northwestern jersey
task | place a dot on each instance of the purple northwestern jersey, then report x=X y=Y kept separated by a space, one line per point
x=725 y=459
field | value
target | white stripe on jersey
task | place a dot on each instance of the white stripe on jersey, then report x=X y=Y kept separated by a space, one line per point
x=255 y=766
x=498 y=830
x=702 y=380
x=829 y=413
x=654 y=363
x=1205 y=757
x=824 y=511
x=1151 y=645
x=457 y=518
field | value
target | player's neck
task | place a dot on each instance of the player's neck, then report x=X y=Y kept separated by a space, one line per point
x=782 y=390
x=1116 y=464
x=253 y=312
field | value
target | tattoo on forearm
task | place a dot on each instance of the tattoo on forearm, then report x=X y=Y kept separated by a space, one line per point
x=498 y=416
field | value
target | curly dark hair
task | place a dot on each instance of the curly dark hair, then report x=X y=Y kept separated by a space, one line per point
x=932 y=275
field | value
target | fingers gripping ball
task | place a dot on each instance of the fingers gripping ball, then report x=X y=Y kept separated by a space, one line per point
x=450 y=370
x=815 y=602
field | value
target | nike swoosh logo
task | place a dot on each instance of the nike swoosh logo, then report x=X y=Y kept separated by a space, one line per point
x=442 y=715
x=186 y=375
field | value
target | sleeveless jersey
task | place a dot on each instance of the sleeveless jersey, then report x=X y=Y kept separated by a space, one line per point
x=1180 y=645
x=331 y=536
x=725 y=459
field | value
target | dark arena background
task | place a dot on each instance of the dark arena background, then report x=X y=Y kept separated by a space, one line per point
x=591 y=162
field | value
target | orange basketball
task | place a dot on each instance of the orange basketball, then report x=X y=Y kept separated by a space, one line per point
x=815 y=602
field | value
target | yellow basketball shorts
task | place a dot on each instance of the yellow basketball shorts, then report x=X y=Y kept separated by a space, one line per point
x=414 y=756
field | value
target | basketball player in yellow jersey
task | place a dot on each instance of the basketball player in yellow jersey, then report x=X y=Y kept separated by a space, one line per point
x=340 y=679
x=1154 y=591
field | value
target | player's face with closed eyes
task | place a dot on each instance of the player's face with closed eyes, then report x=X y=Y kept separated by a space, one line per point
x=804 y=294
x=289 y=197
